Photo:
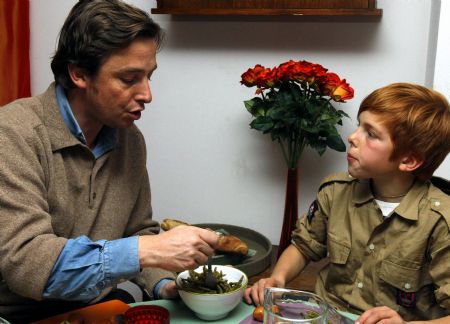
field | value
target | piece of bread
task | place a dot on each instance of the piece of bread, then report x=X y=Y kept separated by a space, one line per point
x=227 y=243
x=230 y=243
x=168 y=223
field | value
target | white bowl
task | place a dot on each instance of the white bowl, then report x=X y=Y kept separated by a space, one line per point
x=214 y=306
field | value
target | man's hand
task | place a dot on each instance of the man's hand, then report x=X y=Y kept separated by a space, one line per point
x=181 y=248
x=380 y=315
x=255 y=293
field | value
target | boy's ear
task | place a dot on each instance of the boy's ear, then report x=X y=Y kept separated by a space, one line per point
x=410 y=163
x=77 y=76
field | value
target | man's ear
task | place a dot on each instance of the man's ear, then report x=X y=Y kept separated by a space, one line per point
x=410 y=163
x=77 y=75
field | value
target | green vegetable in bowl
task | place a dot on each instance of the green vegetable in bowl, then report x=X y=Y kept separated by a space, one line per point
x=196 y=283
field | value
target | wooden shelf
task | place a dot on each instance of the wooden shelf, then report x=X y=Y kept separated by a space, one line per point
x=268 y=7
x=268 y=12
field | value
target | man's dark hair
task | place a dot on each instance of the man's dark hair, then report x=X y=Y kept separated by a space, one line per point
x=95 y=29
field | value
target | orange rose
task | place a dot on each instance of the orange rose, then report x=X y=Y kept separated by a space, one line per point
x=343 y=92
x=260 y=76
x=250 y=77
x=337 y=89
x=297 y=93
x=330 y=82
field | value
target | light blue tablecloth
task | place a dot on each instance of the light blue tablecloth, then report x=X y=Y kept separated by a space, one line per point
x=181 y=314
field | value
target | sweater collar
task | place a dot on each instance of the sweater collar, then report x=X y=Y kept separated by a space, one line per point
x=65 y=129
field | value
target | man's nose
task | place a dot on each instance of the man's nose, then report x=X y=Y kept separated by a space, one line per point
x=145 y=93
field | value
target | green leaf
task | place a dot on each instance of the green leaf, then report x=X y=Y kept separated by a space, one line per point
x=295 y=90
x=320 y=146
x=262 y=123
x=255 y=106
x=335 y=142
x=343 y=113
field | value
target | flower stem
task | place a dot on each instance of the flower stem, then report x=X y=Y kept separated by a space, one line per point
x=283 y=149
x=292 y=148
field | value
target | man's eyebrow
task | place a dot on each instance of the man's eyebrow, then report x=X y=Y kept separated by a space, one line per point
x=135 y=70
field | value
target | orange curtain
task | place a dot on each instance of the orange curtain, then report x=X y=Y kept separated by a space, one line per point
x=14 y=50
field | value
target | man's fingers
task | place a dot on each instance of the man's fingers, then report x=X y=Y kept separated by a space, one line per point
x=211 y=238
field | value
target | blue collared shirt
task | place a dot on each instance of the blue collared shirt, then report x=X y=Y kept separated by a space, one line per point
x=84 y=268
x=107 y=138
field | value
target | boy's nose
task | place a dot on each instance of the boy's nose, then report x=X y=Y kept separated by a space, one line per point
x=352 y=138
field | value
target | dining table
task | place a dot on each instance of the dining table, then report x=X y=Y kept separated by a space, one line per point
x=181 y=314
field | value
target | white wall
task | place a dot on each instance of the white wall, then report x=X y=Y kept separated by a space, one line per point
x=205 y=163
x=441 y=76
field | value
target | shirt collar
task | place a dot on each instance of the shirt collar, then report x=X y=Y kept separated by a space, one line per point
x=362 y=192
x=107 y=138
x=408 y=206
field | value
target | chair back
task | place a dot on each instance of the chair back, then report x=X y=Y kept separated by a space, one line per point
x=441 y=183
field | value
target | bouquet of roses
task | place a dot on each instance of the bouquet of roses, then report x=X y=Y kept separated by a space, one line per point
x=293 y=104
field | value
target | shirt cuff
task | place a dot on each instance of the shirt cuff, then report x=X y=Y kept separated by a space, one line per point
x=158 y=287
x=119 y=265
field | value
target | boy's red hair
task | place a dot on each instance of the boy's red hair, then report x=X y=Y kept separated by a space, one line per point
x=418 y=119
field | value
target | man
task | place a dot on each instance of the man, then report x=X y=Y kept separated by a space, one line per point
x=75 y=215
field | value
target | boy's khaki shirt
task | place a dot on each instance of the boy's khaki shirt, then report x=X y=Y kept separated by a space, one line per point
x=402 y=262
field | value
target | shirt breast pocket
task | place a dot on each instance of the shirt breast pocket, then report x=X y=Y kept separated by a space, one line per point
x=401 y=285
x=338 y=273
x=338 y=251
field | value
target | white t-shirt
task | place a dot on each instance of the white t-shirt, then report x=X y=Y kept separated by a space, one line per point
x=386 y=207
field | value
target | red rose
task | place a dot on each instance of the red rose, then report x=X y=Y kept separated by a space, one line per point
x=267 y=78
x=250 y=77
x=284 y=70
x=300 y=71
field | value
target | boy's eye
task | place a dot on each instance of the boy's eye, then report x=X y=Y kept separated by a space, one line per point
x=371 y=134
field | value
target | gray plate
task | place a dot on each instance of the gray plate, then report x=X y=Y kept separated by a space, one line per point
x=251 y=264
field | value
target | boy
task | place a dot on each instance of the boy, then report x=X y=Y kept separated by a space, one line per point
x=384 y=225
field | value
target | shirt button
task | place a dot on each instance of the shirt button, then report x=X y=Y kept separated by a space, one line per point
x=371 y=247
x=360 y=285
x=407 y=285
x=437 y=203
